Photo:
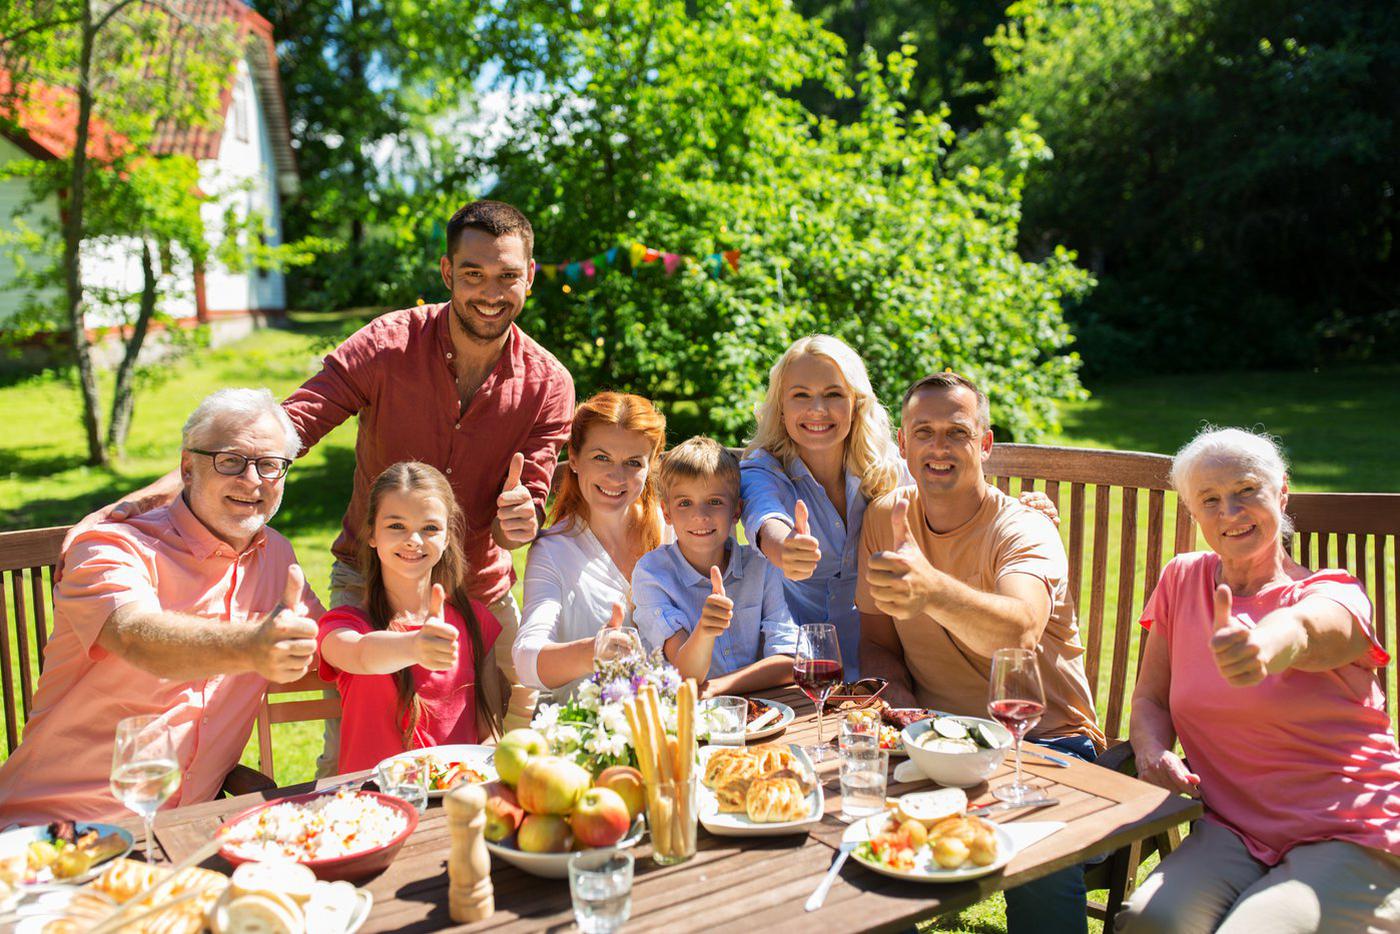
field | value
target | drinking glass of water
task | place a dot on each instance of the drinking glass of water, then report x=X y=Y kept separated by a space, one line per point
x=864 y=776
x=600 y=882
x=728 y=720
x=145 y=772
x=406 y=779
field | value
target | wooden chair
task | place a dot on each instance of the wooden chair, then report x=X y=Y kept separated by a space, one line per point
x=326 y=706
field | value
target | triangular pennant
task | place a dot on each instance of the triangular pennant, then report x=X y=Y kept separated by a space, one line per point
x=573 y=272
x=713 y=264
x=671 y=261
x=732 y=258
x=610 y=256
x=638 y=253
x=550 y=272
x=589 y=269
x=651 y=256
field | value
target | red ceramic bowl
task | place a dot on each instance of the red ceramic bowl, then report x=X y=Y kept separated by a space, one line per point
x=350 y=867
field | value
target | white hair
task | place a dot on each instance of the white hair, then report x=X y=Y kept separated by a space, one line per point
x=237 y=405
x=1252 y=450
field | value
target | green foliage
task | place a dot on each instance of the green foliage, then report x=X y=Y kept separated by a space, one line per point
x=1227 y=167
x=677 y=127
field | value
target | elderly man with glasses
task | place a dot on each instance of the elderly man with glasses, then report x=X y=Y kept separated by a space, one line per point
x=185 y=612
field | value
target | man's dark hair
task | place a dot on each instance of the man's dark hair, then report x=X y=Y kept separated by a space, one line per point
x=951 y=380
x=494 y=217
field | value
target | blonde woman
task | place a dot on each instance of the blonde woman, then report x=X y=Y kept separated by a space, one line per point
x=822 y=450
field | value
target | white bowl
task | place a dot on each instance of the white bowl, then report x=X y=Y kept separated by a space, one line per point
x=956 y=769
x=556 y=865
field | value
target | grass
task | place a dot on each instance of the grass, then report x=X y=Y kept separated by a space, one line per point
x=1332 y=422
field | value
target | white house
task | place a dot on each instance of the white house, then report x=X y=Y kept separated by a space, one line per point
x=245 y=160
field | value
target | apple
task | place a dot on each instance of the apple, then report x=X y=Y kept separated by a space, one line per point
x=514 y=750
x=551 y=785
x=503 y=812
x=627 y=782
x=600 y=818
x=544 y=833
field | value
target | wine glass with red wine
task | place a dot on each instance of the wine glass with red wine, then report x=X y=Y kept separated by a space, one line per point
x=1016 y=701
x=817 y=670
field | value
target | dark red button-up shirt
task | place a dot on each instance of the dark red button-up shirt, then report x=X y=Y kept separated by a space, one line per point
x=396 y=373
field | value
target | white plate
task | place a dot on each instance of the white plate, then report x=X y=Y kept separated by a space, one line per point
x=15 y=842
x=732 y=824
x=925 y=869
x=556 y=865
x=364 y=901
x=785 y=716
x=481 y=758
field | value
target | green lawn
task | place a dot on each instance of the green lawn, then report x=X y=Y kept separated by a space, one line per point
x=1333 y=424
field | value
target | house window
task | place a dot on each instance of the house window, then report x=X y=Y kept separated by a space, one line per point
x=240 y=113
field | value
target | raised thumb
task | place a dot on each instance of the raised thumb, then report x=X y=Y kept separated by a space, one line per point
x=1223 y=603
x=296 y=584
x=716 y=581
x=799 y=516
x=899 y=521
x=615 y=620
x=517 y=464
x=436 y=601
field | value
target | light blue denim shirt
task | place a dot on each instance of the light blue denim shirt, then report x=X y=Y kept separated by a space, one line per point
x=829 y=595
x=670 y=594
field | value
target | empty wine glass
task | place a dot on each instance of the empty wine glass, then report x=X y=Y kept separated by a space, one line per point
x=817 y=670
x=145 y=772
x=1016 y=701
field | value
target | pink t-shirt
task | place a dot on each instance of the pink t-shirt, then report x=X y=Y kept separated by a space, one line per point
x=371 y=727
x=1301 y=757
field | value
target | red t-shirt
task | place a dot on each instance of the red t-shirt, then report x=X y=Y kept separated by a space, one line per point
x=371 y=728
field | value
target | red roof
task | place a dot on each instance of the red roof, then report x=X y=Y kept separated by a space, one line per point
x=50 y=115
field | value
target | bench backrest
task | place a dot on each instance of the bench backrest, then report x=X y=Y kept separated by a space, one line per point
x=1121 y=523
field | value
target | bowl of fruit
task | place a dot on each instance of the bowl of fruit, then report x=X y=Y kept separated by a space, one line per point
x=545 y=807
x=957 y=752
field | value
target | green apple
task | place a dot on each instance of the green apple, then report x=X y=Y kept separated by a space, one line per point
x=552 y=785
x=514 y=750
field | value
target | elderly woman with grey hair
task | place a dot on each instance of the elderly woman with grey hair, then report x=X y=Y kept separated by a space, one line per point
x=183 y=613
x=1265 y=672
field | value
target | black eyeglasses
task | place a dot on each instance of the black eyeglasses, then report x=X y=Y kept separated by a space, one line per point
x=232 y=464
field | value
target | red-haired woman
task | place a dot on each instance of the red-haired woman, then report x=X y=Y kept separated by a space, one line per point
x=607 y=514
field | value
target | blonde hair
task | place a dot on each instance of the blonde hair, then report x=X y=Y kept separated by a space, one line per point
x=871 y=453
x=632 y=413
x=699 y=459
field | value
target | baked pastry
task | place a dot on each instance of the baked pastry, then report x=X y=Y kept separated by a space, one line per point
x=771 y=758
x=800 y=775
x=725 y=766
x=732 y=795
x=773 y=800
x=124 y=878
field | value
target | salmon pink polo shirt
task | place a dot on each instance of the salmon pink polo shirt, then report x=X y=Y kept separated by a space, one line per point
x=371 y=727
x=397 y=374
x=1302 y=756
x=165 y=559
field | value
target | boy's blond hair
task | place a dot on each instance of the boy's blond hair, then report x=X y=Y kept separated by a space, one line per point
x=699 y=459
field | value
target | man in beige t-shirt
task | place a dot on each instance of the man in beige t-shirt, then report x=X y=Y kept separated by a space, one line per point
x=952 y=569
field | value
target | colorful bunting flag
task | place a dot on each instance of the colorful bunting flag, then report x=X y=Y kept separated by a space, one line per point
x=632 y=258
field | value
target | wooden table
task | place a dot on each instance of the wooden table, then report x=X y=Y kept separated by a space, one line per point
x=758 y=883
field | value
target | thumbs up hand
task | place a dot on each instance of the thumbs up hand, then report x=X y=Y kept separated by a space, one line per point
x=718 y=610
x=901 y=579
x=435 y=643
x=800 y=551
x=283 y=645
x=1247 y=655
x=613 y=641
x=515 y=509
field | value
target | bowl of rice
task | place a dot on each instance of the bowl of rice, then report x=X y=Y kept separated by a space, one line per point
x=346 y=835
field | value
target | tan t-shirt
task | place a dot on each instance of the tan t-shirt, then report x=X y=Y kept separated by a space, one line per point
x=1003 y=538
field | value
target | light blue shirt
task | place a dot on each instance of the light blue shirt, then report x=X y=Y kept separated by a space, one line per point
x=829 y=595
x=670 y=594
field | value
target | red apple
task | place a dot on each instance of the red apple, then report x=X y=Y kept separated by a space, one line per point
x=551 y=785
x=515 y=749
x=600 y=818
x=544 y=833
x=627 y=782
x=503 y=812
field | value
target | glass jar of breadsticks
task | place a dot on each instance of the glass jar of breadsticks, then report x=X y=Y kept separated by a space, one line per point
x=667 y=764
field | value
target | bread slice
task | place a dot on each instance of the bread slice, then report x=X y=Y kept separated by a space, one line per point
x=930 y=807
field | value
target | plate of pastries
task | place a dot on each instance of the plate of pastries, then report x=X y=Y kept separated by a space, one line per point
x=758 y=790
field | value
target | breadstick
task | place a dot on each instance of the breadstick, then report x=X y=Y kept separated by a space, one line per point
x=667 y=770
x=685 y=728
x=644 y=761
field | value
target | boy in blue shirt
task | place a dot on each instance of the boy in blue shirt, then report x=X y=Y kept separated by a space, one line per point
x=714 y=606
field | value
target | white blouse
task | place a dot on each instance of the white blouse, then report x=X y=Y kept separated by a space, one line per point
x=571 y=584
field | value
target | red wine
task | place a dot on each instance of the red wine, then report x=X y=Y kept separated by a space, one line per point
x=1018 y=716
x=817 y=676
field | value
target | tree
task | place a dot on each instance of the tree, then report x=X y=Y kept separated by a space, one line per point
x=131 y=63
x=674 y=125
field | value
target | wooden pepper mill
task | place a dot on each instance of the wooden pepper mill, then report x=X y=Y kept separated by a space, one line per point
x=470 y=895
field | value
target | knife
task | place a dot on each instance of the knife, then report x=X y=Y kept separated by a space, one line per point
x=1053 y=760
x=1008 y=806
x=819 y=896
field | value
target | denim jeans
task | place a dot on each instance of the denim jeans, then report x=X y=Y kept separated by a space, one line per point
x=1055 y=904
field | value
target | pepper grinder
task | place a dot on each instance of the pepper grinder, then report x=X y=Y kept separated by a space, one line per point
x=470 y=895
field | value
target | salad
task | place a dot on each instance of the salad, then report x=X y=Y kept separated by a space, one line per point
x=909 y=845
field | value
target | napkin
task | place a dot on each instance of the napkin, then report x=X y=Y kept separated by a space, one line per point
x=907 y=771
x=1028 y=833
